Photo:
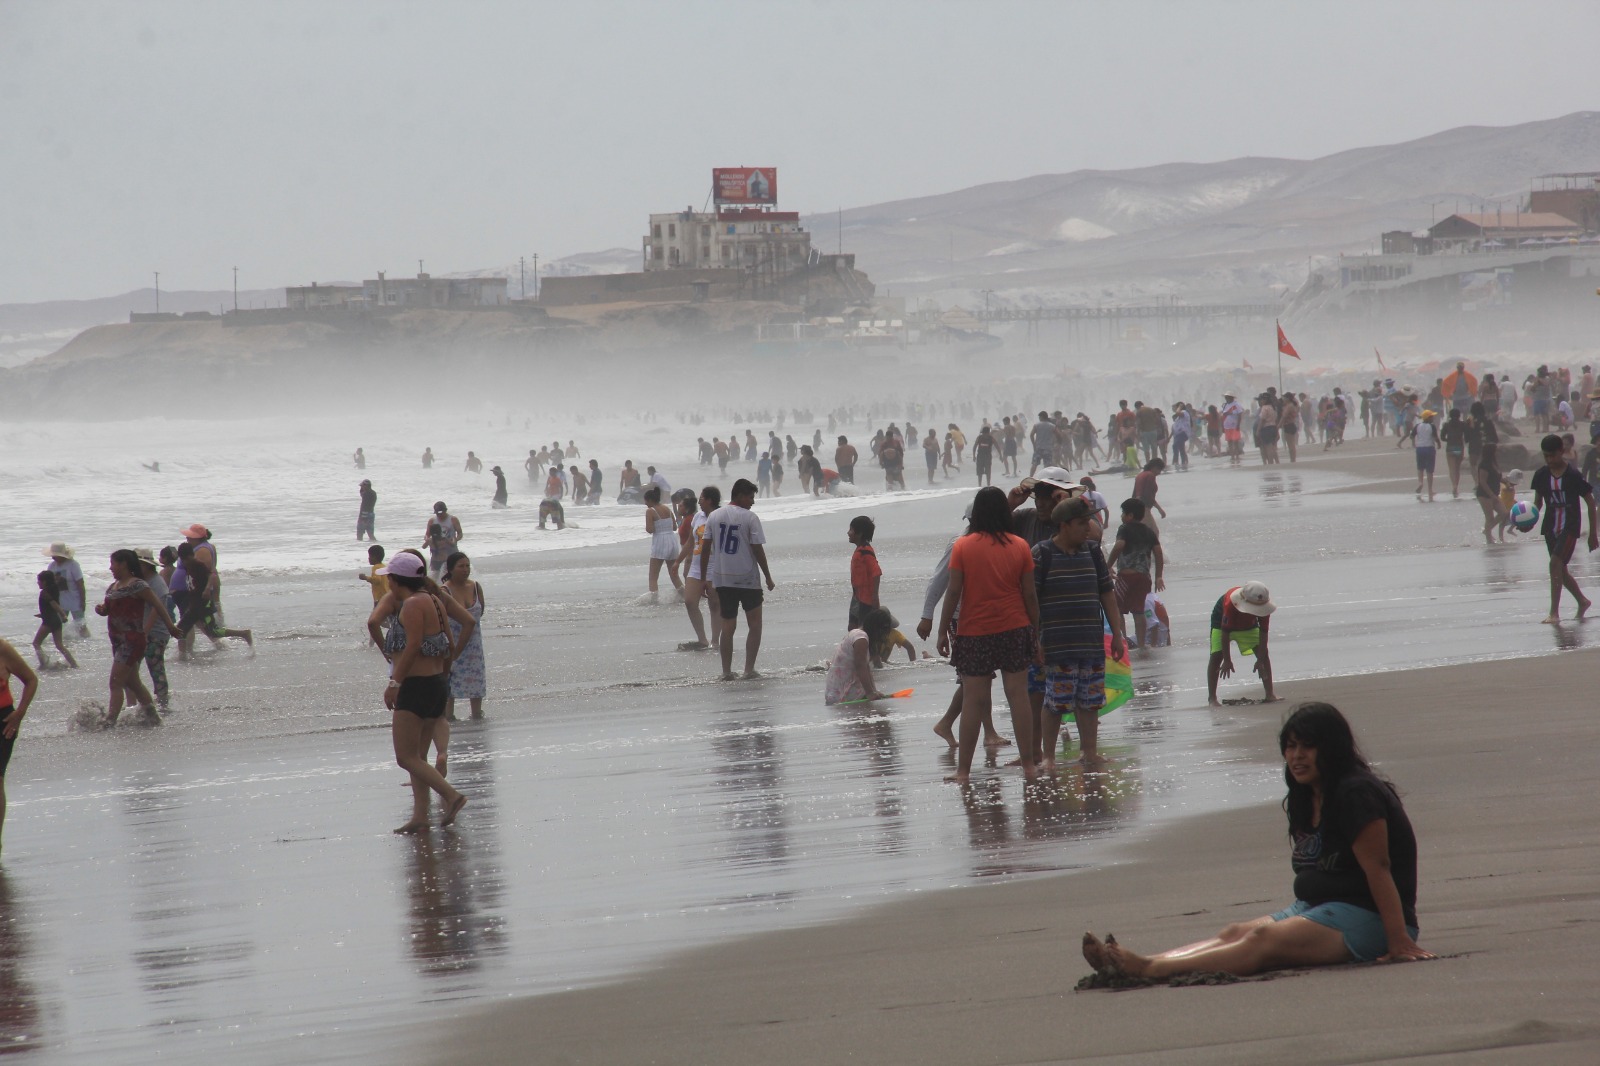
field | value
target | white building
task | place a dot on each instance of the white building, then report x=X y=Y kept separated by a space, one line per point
x=765 y=242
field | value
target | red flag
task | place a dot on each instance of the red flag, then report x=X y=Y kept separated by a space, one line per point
x=1285 y=347
x=1380 y=357
x=1247 y=365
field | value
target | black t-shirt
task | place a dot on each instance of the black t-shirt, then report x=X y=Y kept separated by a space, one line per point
x=1562 y=496
x=369 y=499
x=1324 y=861
x=1454 y=433
x=1138 y=547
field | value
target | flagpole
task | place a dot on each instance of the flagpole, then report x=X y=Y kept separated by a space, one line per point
x=1280 y=359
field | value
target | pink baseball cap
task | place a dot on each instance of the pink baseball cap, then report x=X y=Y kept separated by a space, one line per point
x=405 y=565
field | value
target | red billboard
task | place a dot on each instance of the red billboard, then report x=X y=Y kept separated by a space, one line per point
x=745 y=185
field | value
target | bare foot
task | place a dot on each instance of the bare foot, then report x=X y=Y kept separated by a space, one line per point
x=995 y=740
x=1048 y=765
x=944 y=732
x=1121 y=960
x=693 y=645
x=453 y=809
x=1583 y=608
x=1213 y=702
x=1092 y=760
x=958 y=778
x=249 y=640
x=729 y=675
x=1550 y=620
x=1094 y=952
x=412 y=827
x=751 y=674
x=1270 y=698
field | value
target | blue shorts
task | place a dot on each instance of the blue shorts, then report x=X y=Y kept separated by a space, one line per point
x=1425 y=459
x=1076 y=688
x=1362 y=929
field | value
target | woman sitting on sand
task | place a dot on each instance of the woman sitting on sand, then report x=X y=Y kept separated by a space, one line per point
x=1355 y=863
x=850 y=675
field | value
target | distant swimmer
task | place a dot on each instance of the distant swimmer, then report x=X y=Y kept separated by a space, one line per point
x=552 y=510
x=367 y=516
x=554 y=489
x=427 y=458
x=154 y=468
x=474 y=464
x=594 y=482
x=499 y=486
x=360 y=459
x=580 y=486
x=532 y=465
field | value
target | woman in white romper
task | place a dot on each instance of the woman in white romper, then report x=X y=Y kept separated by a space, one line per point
x=664 y=546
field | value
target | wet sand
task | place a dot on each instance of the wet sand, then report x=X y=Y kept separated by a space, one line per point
x=1496 y=764
x=226 y=886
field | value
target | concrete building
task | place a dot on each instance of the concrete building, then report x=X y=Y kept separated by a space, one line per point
x=1506 y=228
x=764 y=242
x=316 y=297
x=425 y=290
x=1573 y=196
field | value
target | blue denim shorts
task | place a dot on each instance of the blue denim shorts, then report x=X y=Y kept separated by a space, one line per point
x=1362 y=929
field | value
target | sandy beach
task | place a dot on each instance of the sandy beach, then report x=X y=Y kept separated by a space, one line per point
x=986 y=974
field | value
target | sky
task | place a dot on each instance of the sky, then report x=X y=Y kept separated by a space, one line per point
x=317 y=141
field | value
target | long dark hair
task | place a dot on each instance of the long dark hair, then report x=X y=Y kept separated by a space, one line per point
x=991 y=513
x=1320 y=726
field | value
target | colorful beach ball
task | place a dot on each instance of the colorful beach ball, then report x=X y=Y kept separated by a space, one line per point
x=1524 y=515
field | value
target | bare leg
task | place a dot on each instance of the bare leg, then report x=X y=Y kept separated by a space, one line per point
x=1264 y=671
x=62 y=648
x=944 y=729
x=975 y=703
x=1213 y=670
x=1016 y=689
x=1291 y=942
x=477 y=706
x=728 y=626
x=655 y=575
x=1088 y=720
x=752 y=642
x=412 y=737
x=694 y=591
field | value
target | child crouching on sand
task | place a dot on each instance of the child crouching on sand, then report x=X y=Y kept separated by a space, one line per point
x=850 y=675
x=1355 y=864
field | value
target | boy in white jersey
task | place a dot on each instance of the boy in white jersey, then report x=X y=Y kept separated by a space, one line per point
x=695 y=586
x=734 y=561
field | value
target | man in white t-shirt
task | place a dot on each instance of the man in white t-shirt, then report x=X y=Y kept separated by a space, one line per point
x=69 y=579
x=659 y=482
x=734 y=561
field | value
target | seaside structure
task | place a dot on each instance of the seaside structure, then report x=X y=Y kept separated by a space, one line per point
x=424 y=290
x=743 y=249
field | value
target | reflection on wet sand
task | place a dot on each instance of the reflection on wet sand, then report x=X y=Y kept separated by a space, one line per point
x=748 y=770
x=1071 y=804
x=192 y=950
x=1280 y=488
x=454 y=878
x=871 y=735
x=21 y=1017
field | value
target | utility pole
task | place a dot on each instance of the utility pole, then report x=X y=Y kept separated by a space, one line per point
x=158 y=292
x=535 y=277
x=419 y=268
x=522 y=274
x=841 y=229
x=236 y=288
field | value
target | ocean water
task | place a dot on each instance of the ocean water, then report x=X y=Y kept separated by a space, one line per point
x=226 y=885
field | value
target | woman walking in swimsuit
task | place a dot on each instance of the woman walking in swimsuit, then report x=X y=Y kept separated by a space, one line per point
x=128 y=622
x=468 y=675
x=11 y=712
x=420 y=647
x=664 y=546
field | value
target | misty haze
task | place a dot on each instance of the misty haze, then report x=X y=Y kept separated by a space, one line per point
x=695 y=350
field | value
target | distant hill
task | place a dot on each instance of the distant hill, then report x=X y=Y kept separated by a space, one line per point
x=1234 y=229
